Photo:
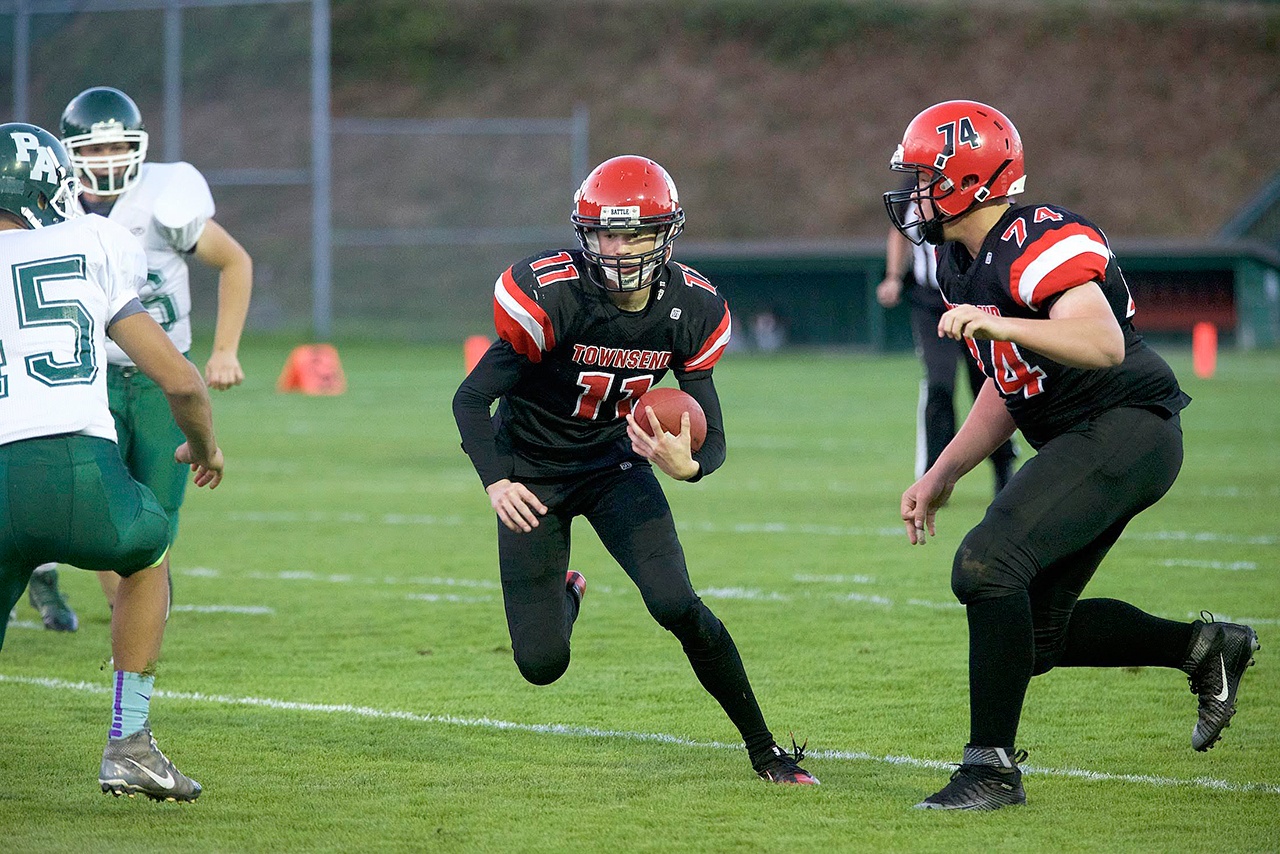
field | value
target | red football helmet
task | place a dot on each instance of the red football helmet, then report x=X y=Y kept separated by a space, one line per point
x=633 y=195
x=961 y=153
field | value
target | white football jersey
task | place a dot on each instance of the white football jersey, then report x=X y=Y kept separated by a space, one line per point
x=69 y=281
x=167 y=210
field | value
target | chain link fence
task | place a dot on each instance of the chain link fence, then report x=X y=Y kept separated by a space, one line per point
x=356 y=226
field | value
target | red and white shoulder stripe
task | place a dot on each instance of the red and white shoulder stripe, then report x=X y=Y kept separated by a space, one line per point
x=1060 y=259
x=713 y=348
x=519 y=320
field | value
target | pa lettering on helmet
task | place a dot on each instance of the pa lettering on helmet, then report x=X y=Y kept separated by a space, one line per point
x=44 y=165
x=36 y=181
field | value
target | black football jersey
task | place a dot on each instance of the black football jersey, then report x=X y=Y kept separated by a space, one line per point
x=1033 y=255
x=589 y=361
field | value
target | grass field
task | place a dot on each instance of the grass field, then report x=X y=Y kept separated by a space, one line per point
x=338 y=676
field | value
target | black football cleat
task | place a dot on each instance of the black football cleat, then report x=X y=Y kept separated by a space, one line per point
x=988 y=778
x=778 y=766
x=1216 y=660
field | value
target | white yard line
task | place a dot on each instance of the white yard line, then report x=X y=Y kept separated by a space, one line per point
x=593 y=732
x=447 y=597
x=26 y=624
x=785 y=528
x=1228 y=565
x=751 y=594
x=226 y=609
x=342 y=578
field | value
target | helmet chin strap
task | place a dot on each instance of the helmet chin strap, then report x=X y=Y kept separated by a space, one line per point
x=931 y=231
x=629 y=282
x=625 y=282
x=645 y=275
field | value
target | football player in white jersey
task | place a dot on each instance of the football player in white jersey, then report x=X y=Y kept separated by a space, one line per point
x=169 y=208
x=69 y=497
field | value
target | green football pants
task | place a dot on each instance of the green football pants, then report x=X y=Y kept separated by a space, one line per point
x=69 y=499
x=148 y=436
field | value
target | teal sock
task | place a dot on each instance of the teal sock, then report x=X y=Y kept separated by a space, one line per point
x=132 y=703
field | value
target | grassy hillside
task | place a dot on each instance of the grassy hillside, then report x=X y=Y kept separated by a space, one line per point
x=777 y=119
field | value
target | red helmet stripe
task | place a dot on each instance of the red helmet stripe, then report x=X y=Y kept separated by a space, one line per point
x=1061 y=259
x=519 y=320
x=713 y=347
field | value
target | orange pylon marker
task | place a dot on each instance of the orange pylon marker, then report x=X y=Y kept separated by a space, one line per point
x=472 y=349
x=313 y=369
x=1204 y=349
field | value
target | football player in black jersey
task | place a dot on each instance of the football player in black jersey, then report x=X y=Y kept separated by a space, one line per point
x=582 y=335
x=1036 y=294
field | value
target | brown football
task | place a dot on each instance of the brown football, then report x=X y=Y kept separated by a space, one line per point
x=668 y=405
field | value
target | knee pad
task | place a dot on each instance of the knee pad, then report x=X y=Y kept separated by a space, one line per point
x=671 y=609
x=542 y=667
x=980 y=571
x=695 y=627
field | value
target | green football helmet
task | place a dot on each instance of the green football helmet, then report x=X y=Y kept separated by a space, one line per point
x=37 y=182
x=103 y=116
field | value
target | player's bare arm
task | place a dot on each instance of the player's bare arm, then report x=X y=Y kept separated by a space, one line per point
x=221 y=251
x=668 y=451
x=1081 y=330
x=986 y=428
x=516 y=505
x=151 y=350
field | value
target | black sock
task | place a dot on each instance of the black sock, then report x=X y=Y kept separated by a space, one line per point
x=719 y=668
x=1111 y=633
x=571 y=612
x=1001 y=655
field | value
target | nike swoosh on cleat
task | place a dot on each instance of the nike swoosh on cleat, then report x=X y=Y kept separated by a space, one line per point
x=166 y=781
x=1221 y=696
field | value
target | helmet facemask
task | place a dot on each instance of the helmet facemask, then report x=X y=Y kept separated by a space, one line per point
x=63 y=205
x=901 y=203
x=107 y=174
x=632 y=272
x=65 y=202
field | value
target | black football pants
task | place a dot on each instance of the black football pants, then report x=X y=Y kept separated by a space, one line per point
x=629 y=512
x=1021 y=571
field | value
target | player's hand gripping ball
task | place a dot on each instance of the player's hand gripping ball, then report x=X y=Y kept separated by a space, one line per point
x=668 y=405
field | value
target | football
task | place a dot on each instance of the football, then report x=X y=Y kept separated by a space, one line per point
x=668 y=405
